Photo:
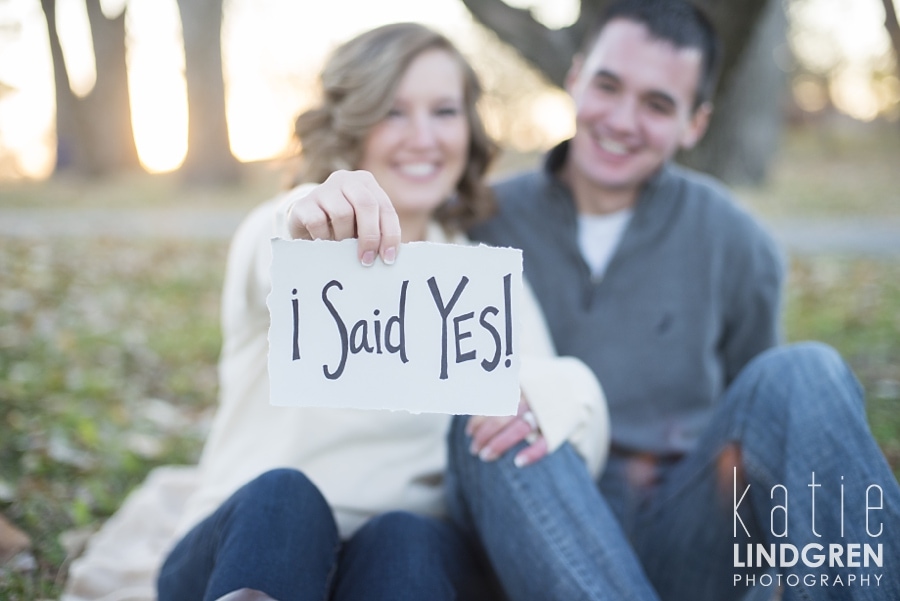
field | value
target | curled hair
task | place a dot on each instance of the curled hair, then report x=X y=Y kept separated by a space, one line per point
x=358 y=83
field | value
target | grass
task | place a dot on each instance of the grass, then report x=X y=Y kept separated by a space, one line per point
x=107 y=368
x=848 y=169
x=854 y=305
x=108 y=349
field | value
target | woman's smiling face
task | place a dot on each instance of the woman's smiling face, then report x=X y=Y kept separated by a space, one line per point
x=418 y=152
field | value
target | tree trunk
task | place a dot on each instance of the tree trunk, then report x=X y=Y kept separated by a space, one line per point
x=551 y=52
x=746 y=124
x=108 y=106
x=68 y=134
x=94 y=133
x=209 y=158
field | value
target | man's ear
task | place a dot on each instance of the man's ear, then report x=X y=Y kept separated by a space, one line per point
x=574 y=72
x=697 y=126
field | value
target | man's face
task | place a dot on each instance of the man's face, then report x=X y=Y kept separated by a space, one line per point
x=634 y=98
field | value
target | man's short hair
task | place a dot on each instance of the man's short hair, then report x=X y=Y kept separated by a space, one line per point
x=675 y=21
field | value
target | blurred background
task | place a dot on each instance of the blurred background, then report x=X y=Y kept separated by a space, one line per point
x=135 y=134
x=101 y=88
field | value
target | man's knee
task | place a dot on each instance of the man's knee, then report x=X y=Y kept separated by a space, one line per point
x=809 y=377
x=797 y=358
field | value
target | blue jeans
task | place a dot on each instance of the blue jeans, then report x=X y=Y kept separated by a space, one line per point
x=277 y=534
x=666 y=528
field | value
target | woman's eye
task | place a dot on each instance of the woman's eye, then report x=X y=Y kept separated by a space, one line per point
x=447 y=111
x=394 y=113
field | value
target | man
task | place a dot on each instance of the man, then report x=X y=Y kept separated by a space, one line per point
x=651 y=275
x=668 y=303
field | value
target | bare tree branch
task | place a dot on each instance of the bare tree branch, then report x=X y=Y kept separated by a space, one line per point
x=551 y=50
x=548 y=50
x=893 y=28
x=735 y=21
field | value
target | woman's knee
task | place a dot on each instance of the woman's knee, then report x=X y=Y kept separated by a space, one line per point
x=284 y=491
x=422 y=556
x=401 y=530
x=412 y=542
x=283 y=480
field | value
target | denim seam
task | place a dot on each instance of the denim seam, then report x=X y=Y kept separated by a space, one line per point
x=558 y=542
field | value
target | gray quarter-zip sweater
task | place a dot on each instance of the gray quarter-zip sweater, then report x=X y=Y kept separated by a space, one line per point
x=690 y=295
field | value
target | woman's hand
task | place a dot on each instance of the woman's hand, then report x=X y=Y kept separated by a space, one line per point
x=349 y=204
x=493 y=436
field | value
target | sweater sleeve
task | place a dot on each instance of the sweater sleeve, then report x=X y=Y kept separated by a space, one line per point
x=563 y=393
x=753 y=299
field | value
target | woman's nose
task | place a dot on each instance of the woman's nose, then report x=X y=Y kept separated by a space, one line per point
x=422 y=131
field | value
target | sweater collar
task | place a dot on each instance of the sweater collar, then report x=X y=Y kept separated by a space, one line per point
x=555 y=159
x=653 y=210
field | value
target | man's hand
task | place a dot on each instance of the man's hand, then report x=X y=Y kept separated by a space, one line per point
x=493 y=436
x=349 y=204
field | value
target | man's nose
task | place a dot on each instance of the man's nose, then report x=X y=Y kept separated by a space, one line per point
x=622 y=115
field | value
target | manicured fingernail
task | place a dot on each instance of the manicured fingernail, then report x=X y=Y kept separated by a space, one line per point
x=368 y=258
x=473 y=448
x=487 y=454
x=389 y=256
x=521 y=461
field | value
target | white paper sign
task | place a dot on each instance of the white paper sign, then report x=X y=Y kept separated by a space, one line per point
x=433 y=333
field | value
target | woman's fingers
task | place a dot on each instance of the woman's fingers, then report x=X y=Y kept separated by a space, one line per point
x=365 y=196
x=306 y=220
x=390 y=232
x=487 y=428
x=346 y=205
x=506 y=438
x=535 y=451
x=494 y=436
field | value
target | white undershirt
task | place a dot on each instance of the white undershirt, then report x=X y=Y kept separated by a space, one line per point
x=598 y=237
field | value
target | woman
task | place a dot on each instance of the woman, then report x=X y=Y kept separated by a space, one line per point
x=342 y=504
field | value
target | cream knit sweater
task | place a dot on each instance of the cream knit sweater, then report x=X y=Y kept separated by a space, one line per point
x=364 y=462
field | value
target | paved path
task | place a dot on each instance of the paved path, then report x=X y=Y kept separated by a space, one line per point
x=121 y=223
x=864 y=236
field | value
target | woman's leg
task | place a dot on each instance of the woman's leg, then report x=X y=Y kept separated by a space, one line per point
x=401 y=555
x=276 y=534
x=545 y=529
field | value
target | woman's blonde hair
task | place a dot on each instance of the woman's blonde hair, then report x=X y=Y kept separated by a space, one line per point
x=358 y=86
